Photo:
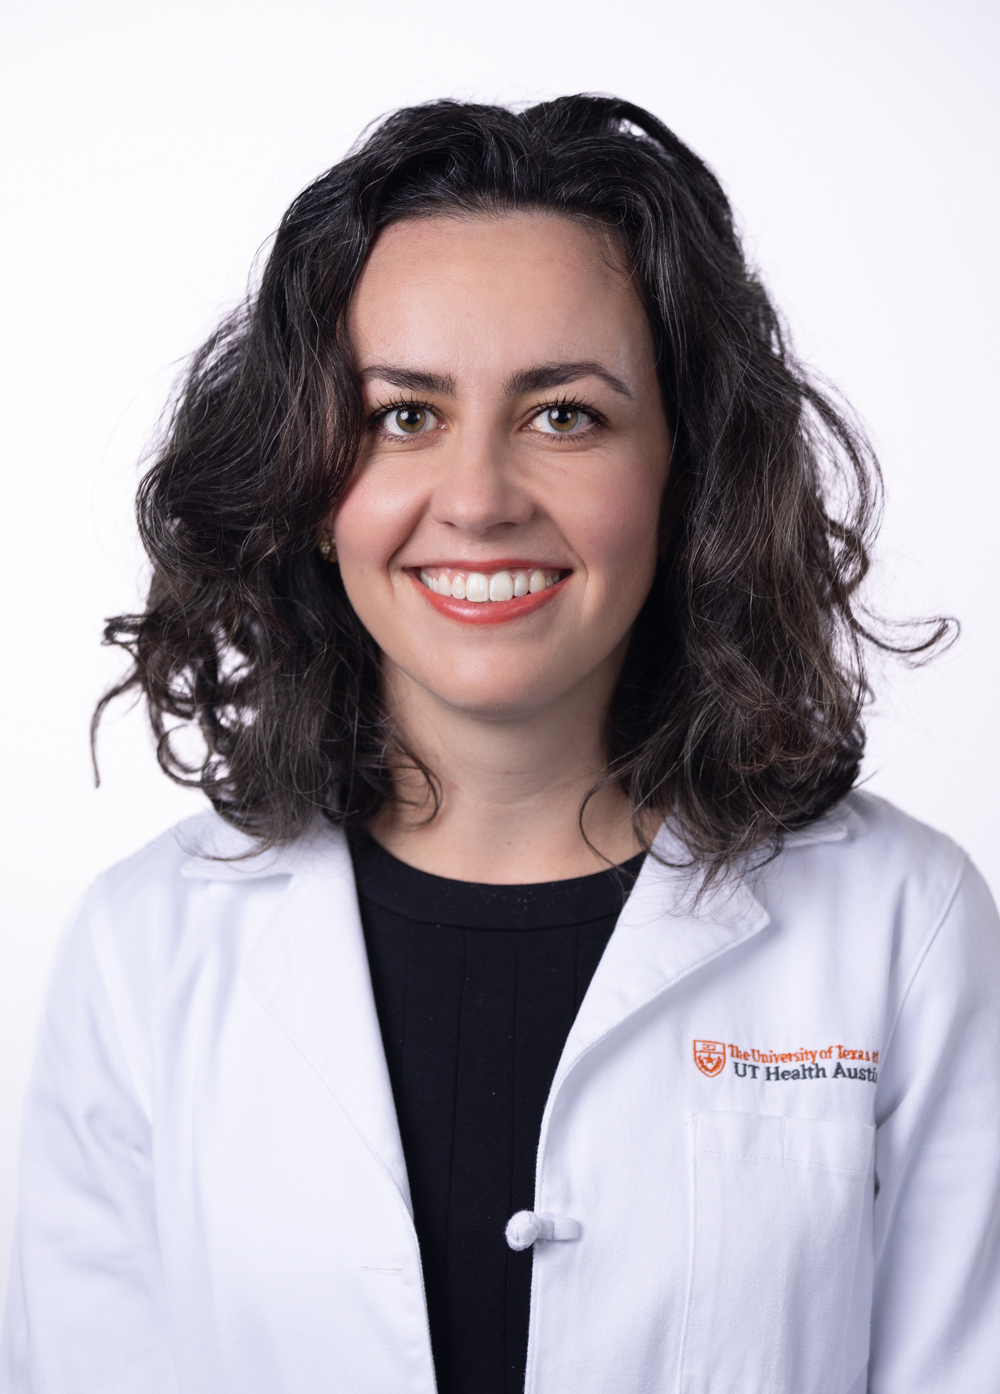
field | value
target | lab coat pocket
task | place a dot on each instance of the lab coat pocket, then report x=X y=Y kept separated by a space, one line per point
x=778 y=1210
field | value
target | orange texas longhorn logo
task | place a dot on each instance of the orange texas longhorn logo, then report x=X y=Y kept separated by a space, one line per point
x=710 y=1056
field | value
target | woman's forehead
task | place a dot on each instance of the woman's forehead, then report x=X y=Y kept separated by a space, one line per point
x=512 y=282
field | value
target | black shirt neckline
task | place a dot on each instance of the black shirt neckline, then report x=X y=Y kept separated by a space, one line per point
x=430 y=899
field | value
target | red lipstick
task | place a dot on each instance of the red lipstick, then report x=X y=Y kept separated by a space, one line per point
x=489 y=611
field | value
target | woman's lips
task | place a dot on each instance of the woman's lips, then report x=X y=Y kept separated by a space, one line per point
x=488 y=597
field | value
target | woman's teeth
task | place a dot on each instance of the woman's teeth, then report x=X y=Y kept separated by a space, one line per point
x=481 y=586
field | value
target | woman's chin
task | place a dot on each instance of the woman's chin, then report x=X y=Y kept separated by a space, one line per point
x=508 y=684
x=502 y=700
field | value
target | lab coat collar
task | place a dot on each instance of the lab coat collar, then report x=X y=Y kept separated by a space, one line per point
x=215 y=851
x=827 y=829
x=664 y=934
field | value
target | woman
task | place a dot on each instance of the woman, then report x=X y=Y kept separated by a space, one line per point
x=538 y=960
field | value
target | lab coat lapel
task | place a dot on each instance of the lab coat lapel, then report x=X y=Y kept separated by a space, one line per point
x=660 y=938
x=309 y=970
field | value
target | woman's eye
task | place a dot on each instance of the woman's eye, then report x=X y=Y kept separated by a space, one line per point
x=562 y=421
x=407 y=421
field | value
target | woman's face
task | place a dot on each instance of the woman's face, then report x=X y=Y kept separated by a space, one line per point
x=500 y=532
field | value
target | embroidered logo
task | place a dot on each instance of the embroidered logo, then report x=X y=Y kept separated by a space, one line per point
x=710 y=1056
x=772 y=1066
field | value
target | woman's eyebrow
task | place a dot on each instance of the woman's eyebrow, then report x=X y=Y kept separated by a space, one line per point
x=413 y=379
x=547 y=375
x=536 y=379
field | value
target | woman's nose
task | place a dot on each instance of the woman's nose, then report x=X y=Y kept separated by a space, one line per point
x=479 y=489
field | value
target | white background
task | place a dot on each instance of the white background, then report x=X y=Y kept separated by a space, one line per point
x=151 y=151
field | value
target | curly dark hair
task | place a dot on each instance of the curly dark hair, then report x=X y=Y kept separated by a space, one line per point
x=739 y=708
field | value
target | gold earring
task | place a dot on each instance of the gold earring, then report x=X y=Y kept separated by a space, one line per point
x=327 y=546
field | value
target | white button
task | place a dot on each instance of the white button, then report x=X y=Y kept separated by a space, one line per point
x=525 y=1227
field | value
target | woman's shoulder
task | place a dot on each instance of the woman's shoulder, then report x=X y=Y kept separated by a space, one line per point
x=206 y=849
x=877 y=862
x=872 y=829
x=198 y=894
x=185 y=885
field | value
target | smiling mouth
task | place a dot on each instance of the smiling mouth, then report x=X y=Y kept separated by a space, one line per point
x=489 y=597
x=489 y=587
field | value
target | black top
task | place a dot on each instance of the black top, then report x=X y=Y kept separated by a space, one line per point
x=476 y=988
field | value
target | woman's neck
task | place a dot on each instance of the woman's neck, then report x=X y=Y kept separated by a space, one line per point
x=511 y=787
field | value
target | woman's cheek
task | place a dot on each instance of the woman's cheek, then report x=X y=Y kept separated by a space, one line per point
x=617 y=528
x=376 y=516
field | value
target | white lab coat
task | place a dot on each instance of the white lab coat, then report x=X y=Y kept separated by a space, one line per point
x=214 y=1197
